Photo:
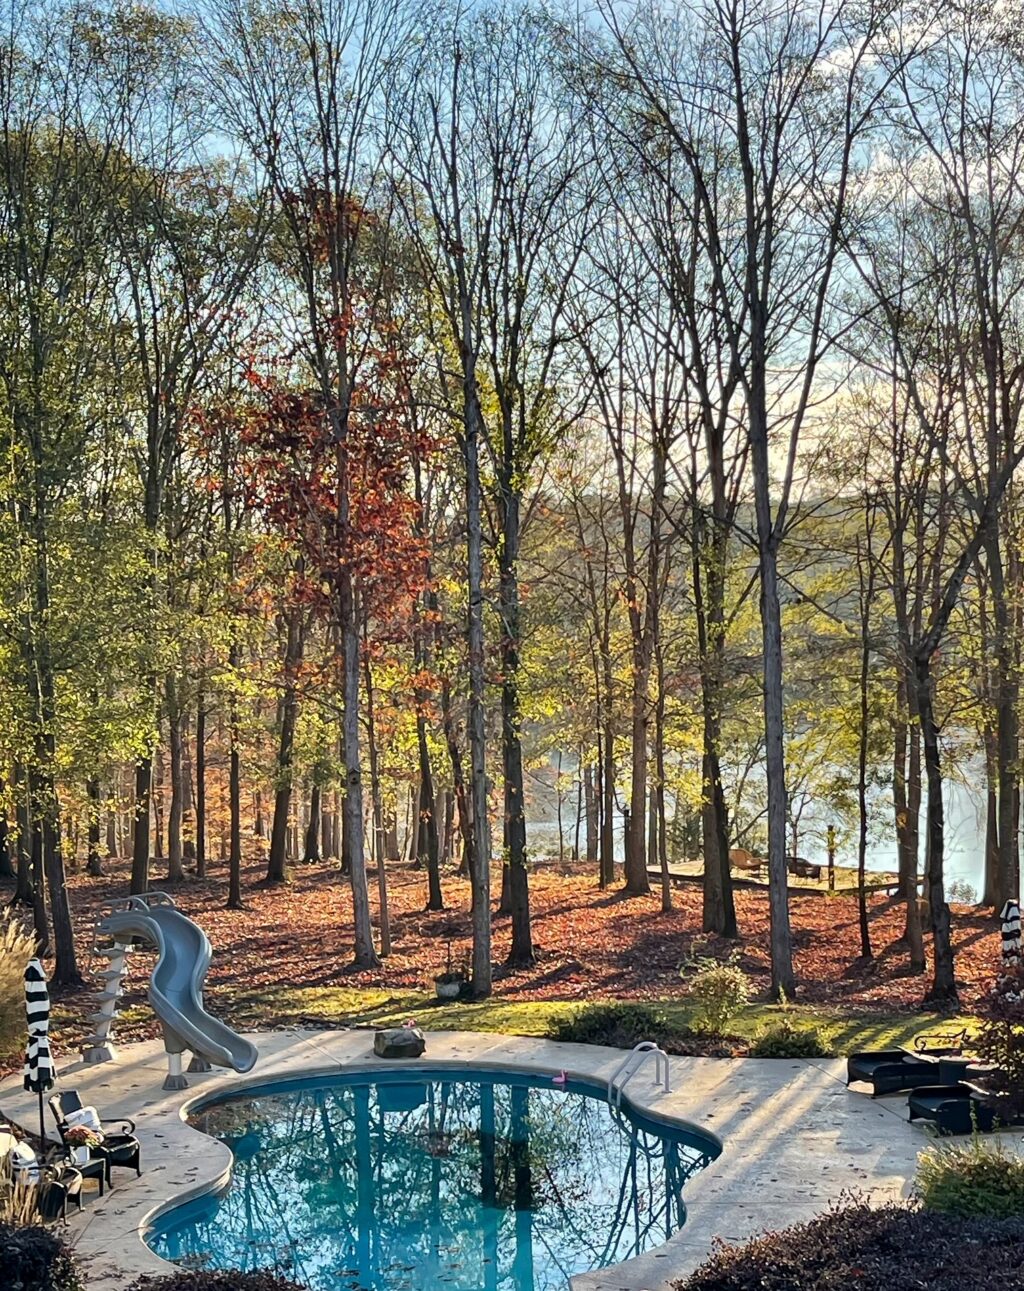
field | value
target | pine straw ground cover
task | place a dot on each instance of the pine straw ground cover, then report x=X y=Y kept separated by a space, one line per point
x=285 y=958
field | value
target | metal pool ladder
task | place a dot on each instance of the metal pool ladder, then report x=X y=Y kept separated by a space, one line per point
x=632 y=1063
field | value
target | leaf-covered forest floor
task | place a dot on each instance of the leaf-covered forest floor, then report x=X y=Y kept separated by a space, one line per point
x=285 y=958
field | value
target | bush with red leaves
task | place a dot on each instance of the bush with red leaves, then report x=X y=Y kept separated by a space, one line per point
x=1000 y=1041
x=217 y=1280
x=892 y=1248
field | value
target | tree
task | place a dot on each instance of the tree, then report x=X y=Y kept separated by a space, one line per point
x=299 y=87
x=54 y=301
x=764 y=105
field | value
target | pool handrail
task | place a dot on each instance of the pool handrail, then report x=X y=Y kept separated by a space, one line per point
x=632 y=1063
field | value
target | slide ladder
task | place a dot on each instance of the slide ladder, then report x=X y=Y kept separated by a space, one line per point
x=175 y=987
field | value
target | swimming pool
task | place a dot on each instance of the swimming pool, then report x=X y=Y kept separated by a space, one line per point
x=433 y=1180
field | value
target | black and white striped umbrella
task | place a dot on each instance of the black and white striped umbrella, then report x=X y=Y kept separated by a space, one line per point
x=40 y=1074
x=1010 y=917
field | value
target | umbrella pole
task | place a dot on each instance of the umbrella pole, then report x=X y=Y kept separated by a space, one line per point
x=42 y=1124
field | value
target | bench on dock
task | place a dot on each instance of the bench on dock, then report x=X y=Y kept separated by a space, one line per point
x=802 y=869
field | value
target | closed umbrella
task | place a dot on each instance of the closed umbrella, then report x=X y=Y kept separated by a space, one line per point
x=1010 y=917
x=39 y=1071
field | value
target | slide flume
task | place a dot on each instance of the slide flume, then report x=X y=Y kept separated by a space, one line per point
x=176 y=983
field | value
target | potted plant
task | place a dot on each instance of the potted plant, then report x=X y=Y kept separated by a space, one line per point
x=450 y=984
x=81 y=1139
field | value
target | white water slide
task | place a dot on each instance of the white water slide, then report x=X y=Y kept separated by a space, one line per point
x=176 y=985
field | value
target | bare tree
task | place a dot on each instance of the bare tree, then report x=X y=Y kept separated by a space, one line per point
x=939 y=249
x=764 y=103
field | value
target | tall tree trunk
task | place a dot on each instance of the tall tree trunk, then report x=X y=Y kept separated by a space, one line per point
x=277 y=862
x=94 y=861
x=311 y=850
x=480 y=860
x=907 y=790
x=412 y=834
x=201 y=786
x=234 y=901
x=379 y=849
x=608 y=810
x=141 y=823
x=867 y=594
x=719 y=908
x=259 y=826
x=175 y=815
x=326 y=832
x=43 y=798
x=637 y=880
x=365 y=955
x=158 y=804
x=23 y=891
x=188 y=800
x=426 y=823
x=154 y=505
x=943 y=989
x=34 y=833
x=7 y=869
x=590 y=811
x=521 y=952
x=659 y=841
x=1007 y=692
x=780 y=939
x=783 y=979
x=992 y=875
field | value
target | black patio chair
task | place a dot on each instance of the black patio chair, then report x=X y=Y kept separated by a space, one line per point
x=893 y=1071
x=952 y=1109
x=61 y=1182
x=119 y=1147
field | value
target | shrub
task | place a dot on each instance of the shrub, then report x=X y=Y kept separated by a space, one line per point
x=217 y=1280
x=621 y=1025
x=1000 y=1042
x=33 y=1259
x=971 y=1179
x=720 y=991
x=786 y=1039
x=892 y=1248
x=962 y=892
x=16 y=949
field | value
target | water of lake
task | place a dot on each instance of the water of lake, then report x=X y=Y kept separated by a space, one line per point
x=965 y=833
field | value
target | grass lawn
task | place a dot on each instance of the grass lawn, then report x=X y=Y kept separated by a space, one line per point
x=364 y=1007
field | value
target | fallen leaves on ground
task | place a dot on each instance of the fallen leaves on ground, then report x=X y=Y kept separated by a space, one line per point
x=590 y=944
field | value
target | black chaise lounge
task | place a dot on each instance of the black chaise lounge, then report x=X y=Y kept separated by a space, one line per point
x=120 y=1147
x=891 y=1071
x=954 y=1109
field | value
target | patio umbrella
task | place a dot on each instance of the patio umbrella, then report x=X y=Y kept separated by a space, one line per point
x=39 y=1070
x=1010 y=917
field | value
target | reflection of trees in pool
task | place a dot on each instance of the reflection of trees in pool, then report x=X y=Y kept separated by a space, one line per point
x=448 y=1184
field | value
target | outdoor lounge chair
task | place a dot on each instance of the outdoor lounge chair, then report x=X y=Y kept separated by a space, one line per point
x=953 y=1109
x=120 y=1147
x=58 y=1181
x=892 y=1071
x=61 y=1183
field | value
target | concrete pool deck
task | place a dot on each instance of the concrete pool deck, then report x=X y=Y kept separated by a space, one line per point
x=794 y=1138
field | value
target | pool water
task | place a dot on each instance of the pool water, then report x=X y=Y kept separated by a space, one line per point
x=434 y=1181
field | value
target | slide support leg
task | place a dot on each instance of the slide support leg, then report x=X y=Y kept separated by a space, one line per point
x=175 y=1078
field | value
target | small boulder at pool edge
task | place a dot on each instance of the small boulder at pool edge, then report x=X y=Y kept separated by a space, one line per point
x=399 y=1042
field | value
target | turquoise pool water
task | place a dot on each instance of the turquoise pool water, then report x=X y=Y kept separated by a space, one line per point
x=434 y=1181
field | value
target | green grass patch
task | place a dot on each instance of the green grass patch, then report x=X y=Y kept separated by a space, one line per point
x=348 y=1006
